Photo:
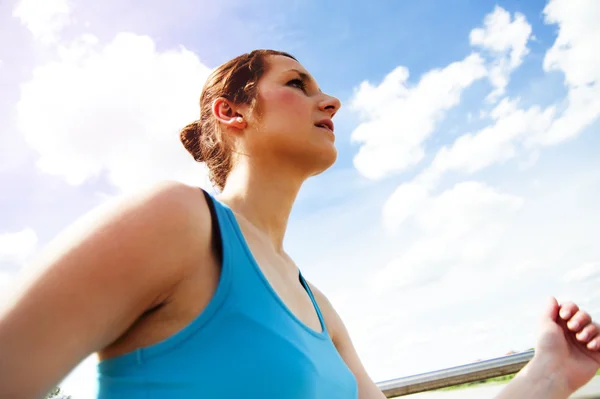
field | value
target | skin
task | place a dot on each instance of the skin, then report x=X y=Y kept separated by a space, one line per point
x=161 y=240
x=566 y=356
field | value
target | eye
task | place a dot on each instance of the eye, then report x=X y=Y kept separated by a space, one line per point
x=298 y=83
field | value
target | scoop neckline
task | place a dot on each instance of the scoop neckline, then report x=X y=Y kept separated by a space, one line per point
x=323 y=334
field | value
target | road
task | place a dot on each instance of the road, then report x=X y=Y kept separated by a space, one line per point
x=589 y=391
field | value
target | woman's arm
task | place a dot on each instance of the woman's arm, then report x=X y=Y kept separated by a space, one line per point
x=94 y=281
x=536 y=381
x=367 y=389
x=567 y=355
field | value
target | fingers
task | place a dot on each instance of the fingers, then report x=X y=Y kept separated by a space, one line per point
x=580 y=322
x=551 y=309
x=567 y=310
x=589 y=336
x=587 y=333
x=594 y=344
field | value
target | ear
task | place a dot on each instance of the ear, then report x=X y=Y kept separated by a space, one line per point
x=228 y=114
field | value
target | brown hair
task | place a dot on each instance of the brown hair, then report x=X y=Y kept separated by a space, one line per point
x=235 y=80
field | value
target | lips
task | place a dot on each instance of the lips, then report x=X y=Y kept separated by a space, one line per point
x=325 y=124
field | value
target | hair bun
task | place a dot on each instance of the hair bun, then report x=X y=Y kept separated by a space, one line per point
x=190 y=138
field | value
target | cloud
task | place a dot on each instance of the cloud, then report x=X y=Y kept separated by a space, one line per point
x=45 y=19
x=582 y=109
x=114 y=109
x=498 y=142
x=586 y=272
x=81 y=383
x=574 y=53
x=506 y=39
x=461 y=226
x=397 y=119
x=15 y=248
x=515 y=130
x=456 y=228
x=474 y=253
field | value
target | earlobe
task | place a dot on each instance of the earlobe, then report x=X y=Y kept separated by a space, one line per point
x=236 y=122
x=226 y=114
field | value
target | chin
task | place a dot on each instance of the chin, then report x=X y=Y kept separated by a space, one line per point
x=323 y=160
x=312 y=158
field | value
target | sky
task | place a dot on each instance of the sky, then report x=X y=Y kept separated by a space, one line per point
x=466 y=187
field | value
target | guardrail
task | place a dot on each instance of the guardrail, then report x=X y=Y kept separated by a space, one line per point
x=456 y=375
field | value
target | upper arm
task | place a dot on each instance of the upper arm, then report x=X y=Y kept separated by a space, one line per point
x=341 y=339
x=92 y=283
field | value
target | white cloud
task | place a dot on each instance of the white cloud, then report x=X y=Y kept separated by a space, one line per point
x=397 y=119
x=15 y=248
x=575 y=50
x=575 y=54
x=407 y=200
x=506 y=39
x=44 y=18
x=585 y=272
x=114 y=109
x=81 y=383
x=461 y=226
x=473 y=253
x=454 y=229
x=518 y=132
x=495 y=143
x=582 y=109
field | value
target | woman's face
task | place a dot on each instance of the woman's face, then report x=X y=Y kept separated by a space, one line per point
x=291 y=124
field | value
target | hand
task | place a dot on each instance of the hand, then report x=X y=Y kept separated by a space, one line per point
x=569 y=344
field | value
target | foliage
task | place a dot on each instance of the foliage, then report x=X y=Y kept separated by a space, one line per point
x=502 y=379
x=56 y=394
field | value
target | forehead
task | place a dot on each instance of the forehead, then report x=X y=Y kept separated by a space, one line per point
x=279 y=64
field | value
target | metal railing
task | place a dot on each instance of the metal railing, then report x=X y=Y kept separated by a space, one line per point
x=456 y=375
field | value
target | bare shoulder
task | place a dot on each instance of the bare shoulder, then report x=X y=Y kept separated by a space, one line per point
x=167 y=202
x=154 y=222
x=97 y=278
x=332 y=319
x=343 y=343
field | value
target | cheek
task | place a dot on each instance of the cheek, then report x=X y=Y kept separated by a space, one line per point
x=286 y=103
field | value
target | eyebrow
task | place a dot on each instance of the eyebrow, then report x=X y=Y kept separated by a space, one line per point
x=305 y=76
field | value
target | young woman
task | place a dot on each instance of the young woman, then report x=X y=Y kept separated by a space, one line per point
x=184 y=295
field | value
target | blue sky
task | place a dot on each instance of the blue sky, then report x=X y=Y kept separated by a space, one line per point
x=465 y=189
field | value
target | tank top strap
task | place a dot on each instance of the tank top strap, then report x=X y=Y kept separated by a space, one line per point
x=227 y=238
x=223 y=228
x=314 y=302
x=217 y=234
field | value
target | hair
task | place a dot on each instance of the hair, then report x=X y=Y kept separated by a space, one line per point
x=236 y=81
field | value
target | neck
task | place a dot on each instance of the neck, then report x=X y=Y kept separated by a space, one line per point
x=264 y=196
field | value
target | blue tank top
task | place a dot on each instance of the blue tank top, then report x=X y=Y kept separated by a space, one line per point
x=246 y=343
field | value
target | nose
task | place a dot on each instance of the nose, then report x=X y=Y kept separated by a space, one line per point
x=330 y=105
